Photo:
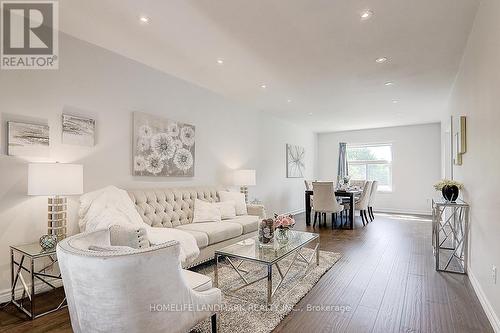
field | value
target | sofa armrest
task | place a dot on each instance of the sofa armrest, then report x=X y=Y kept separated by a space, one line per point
x=257 y=210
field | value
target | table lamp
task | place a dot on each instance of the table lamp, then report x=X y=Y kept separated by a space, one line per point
x=244 y=178
x=55 y=180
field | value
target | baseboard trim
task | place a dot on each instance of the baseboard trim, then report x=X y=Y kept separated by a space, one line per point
x=39 y=288
x=488 y=309
x=402 y=211
x=296 y=211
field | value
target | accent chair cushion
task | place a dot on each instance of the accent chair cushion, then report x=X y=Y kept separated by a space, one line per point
x=238 y=198
x=196 y=281
x=216 y=231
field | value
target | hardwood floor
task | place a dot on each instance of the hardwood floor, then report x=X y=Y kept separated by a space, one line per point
x=385 y=282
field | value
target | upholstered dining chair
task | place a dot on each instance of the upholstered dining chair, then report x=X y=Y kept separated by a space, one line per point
x=373 y=194
x=122 y=289
x=362 y=203
x=325 y=202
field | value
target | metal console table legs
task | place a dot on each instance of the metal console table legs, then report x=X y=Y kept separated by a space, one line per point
x=450 y=225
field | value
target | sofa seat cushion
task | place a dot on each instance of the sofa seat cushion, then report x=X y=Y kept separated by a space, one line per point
x=216 y=231
x=196 y=281
x=249 y=223
x=201 y=238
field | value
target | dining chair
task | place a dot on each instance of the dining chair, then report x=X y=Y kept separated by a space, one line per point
x=362 y=203
x=325 y=202
x=373 y=193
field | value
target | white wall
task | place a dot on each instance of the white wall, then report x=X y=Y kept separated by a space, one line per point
x=476 y=94
x=95 y=82
x=416 y=163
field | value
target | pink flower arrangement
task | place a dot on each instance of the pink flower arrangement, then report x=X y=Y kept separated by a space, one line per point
x=283 y=221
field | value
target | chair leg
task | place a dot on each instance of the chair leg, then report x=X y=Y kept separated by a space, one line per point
x=366 y=216
x=213 y=319
x=362 y=217
x=333 y=220
x=370 y=209
x=315 y=218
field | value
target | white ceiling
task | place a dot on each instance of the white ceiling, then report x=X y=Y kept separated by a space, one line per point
x=316 y=53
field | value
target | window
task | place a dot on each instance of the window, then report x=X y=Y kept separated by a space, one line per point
x=371 y=162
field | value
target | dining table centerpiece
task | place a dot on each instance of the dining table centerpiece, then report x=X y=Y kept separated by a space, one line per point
x=282 y=225
x=450 y=189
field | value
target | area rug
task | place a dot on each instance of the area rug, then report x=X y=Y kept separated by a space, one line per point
x=245 y=310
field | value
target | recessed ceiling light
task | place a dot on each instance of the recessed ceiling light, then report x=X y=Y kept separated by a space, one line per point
x=389 y=83
x=381 y=60
x=220 y=61
x=289 y=101
x=310 y=113
x=366 y=15
x=395 y=101
x=144 y=19
x=263 y=86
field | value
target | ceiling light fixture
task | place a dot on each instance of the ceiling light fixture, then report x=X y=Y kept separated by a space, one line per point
x=263 y=86
x=395 y=101
x=310 y=113
x=381 y=60
x=366 y=15
x=144 y=19
x=389 y=83
x=289 y=101
x=220 y=61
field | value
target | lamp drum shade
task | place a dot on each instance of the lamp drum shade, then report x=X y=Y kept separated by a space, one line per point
x=244 y=177
x=53 y=179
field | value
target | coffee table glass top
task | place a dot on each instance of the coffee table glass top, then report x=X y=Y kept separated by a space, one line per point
x=250 y=249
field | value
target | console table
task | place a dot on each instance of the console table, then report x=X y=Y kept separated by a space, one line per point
x=450 y=225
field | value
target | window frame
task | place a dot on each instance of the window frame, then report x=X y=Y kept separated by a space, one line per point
x=373 y=162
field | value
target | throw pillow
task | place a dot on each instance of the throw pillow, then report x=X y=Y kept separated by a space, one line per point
x=136 y=238
x=227 y=209
x=205 y=212
x=238 y=198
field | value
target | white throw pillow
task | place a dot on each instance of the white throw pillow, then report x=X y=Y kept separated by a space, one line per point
x=227 y=209
x=205 y=212
x=238 y=198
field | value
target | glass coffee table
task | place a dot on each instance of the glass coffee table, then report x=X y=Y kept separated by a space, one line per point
x=250 y=250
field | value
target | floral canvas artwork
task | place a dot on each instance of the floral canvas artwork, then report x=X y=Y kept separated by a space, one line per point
x=162 y=147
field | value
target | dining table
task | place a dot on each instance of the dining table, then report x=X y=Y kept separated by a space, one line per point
x=349 y=194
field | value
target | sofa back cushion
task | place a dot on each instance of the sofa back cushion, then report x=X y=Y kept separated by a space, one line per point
x=170 y=207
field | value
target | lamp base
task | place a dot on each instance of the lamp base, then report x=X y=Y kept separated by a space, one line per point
x=57 y=216
x=244 y=190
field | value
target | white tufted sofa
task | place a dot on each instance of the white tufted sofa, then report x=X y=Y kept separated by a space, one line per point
x=173 y=208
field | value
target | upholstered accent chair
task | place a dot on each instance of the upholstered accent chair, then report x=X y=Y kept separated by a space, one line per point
x=362 y=203
x=325 y=202
x=126 y=290
x=373 y=194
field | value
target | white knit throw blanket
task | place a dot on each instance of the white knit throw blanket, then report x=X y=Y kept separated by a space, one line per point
x=112 y=206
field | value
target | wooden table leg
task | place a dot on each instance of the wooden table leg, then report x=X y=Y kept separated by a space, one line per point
x=308 y=208
x=351 y=211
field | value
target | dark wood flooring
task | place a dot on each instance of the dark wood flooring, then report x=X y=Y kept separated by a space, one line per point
x=385 y=282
